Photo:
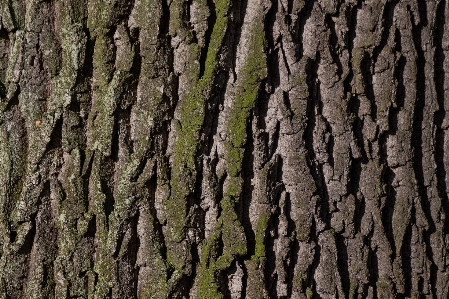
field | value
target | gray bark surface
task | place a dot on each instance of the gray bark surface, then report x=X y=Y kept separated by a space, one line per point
x=224 y=149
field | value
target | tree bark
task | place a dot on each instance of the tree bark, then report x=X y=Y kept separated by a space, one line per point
x=224 y=149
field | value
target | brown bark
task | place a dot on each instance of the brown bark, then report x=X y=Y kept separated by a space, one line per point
x=223 y=149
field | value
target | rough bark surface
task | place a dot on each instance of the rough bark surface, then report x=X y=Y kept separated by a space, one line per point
x=224 y=149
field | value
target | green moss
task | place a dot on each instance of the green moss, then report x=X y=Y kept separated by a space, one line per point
x=309 y=293
x=51 y=53
x=233 y=234
x=103 y=57
x=253 y=72
x=351 y=290
x=99 y=12
x=234 y=188
x=383 y=287
x=299 y=79
x=15 y=61
x=192 y=110
x=299 y=82
x=192 y=118
x=234 y=160
x=5 y=179
x=298 y=281
x=16 y=14
x=156 y=286
x=208 y=287
x=262 y=223
x=176 y=13
x=230 y=233
x=229 y=230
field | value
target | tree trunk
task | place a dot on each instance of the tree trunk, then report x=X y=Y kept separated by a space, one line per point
x=224 y=149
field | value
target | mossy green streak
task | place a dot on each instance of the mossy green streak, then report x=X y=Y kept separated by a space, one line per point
x=191 y=122
x=229 y=229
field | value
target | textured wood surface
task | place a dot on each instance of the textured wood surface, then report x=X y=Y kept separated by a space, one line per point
x=224 y=149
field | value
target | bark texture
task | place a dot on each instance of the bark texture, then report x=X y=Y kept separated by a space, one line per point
x=224 y=149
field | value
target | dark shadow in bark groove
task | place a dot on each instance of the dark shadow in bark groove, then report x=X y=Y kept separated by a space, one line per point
x=3 y=61
x=222 y=281
x=316 y=261
x=210 y=127
x=14 y=103
x=86 y=169
x=382 y=151
x=373 y=265
x=439 y=78
x=88 y=67
x=294 y=250
x=392 y=124
x=29 y=241
x=422 y=9
x=331 y=142
x=353 y=187
x=387 y=20
x=126 y=264
x=305 y=14
x=360 y=209
x=164 y=22
x=248 y=188
x=55 y=137
x=399 y=75
x=273 y=69
x=356 y=163
x=244 y=278
x=271 y=277
x=210 y=27
x=84 y=77
x=406 y=251
x=260 y=114
x=343 y=266
x=333 y=43
x=106 y=172
x=351 y=16
x=417 y=132
x=158 y=236
x=366 y=67
x=388 y=209
x=91 y=229
x=314 y=107
x=270 y=21
x=439 y=153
